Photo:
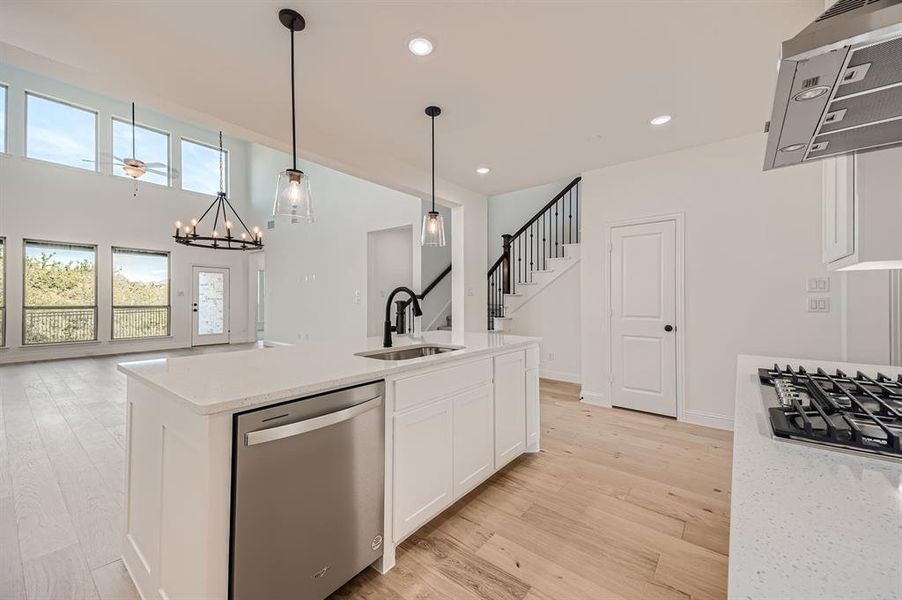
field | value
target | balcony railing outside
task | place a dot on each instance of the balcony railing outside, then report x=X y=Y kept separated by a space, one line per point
x=140 y=321
x=58 y=324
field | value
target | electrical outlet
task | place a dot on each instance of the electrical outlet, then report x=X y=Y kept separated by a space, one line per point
x=550 y=356
x=356 y=296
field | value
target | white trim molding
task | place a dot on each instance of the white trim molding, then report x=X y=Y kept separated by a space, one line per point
x=707 y=419
x=565 y=376
x=594 y=399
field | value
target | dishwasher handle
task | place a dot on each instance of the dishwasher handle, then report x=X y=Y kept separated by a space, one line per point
x=291 y=429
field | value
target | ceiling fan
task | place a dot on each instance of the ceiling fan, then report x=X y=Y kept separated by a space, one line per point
x=137 y=168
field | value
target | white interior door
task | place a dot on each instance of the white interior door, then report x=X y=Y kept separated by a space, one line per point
x=643 y=317
x=210 y=306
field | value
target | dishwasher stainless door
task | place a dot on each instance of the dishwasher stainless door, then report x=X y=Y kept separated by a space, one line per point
x=307 y=494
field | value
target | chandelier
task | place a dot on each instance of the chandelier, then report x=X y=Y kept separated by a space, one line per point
x=235 y=238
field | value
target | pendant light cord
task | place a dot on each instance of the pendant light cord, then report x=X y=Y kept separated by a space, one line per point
x=133 y=130
x=294 y=146
x=221 y=177
x=433 y=163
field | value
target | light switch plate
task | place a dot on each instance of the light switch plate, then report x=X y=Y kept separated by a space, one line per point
x=818 y=304
x=818 y=285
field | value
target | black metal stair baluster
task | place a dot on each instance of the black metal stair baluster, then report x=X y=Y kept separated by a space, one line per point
x=570 y=217
x=578 y=208
x=530 y=253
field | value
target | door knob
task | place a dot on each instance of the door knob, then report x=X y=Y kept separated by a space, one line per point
x=668 y=328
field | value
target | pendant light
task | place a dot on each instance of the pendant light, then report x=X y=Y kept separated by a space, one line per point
x=245 y=240
x=293 y=199
x=433 y=225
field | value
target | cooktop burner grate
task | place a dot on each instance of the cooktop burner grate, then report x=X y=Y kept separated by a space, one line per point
x=858 y=412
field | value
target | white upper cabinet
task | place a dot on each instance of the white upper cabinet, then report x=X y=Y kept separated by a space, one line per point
x=862 y=211
x=839 y=208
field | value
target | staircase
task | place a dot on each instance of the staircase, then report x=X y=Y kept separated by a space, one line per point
x=543 y=249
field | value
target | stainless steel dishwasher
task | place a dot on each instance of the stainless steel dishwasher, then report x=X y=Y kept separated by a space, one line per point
x=307 y=494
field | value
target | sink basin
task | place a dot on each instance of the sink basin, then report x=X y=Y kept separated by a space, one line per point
x=408 y=352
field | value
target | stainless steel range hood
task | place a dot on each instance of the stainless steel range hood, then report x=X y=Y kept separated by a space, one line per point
x=839 y=88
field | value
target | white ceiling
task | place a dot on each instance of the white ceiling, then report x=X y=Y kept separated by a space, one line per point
x=535 y=90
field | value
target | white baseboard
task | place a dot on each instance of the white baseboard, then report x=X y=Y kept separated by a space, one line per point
x=594 y=399
x=559 y=375
x=707 y=419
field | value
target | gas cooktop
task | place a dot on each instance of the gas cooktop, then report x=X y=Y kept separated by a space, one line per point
x=855 y=412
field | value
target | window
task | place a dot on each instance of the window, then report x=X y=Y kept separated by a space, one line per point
x=3 y=94
x=60 y=133
x=140 y=293
x=200 y=168
x=60 y=293
x=2 y=292
x=151 y=146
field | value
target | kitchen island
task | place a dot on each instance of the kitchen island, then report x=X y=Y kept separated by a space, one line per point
x=451 y=420
x=809 y=521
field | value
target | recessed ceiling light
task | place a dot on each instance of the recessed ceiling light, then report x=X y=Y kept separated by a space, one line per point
x=661 y=120
x=483 y=170
x=420 y=46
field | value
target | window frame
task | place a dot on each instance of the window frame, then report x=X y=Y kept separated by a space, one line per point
x=3 y=291
x=168 y=304
x=25 y=242
x=76 y=106
x=5 y=139
x=128 y=122
x=226 y=165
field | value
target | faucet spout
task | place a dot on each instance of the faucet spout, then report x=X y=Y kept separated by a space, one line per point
x=387 y=326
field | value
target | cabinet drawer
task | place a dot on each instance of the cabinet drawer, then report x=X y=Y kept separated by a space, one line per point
x=440 y=383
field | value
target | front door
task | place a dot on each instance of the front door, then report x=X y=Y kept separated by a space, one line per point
x=643 y=326
x=210 y=306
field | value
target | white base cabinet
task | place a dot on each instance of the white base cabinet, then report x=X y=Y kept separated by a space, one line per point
x=422 y=477
x=448 y=439
x=473 y=455
x=510 y=407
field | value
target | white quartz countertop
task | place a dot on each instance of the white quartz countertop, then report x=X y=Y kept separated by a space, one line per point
x=809 y=522
x=239 y=380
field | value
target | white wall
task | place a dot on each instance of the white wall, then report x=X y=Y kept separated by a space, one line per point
x=51 y=202
x=389 y=264
x=315 y=271
x=752 y=240
x=553 y=314
x=866 y=317
x=508 y=212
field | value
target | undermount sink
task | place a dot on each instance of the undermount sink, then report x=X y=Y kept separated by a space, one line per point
x=408 y=352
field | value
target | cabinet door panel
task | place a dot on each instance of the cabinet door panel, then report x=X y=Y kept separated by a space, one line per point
x=422 y=466
x=532 y=410
x=510 y=407
x=839 y=208
x=474 y=448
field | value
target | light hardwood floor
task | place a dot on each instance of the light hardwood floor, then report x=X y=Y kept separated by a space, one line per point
x=617 y=505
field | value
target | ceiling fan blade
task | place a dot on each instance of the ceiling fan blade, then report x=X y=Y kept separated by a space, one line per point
x=157 y=172
x=155 y=165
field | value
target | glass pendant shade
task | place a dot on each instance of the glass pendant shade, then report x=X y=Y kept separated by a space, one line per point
x=293 y=197
x=433 y=229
